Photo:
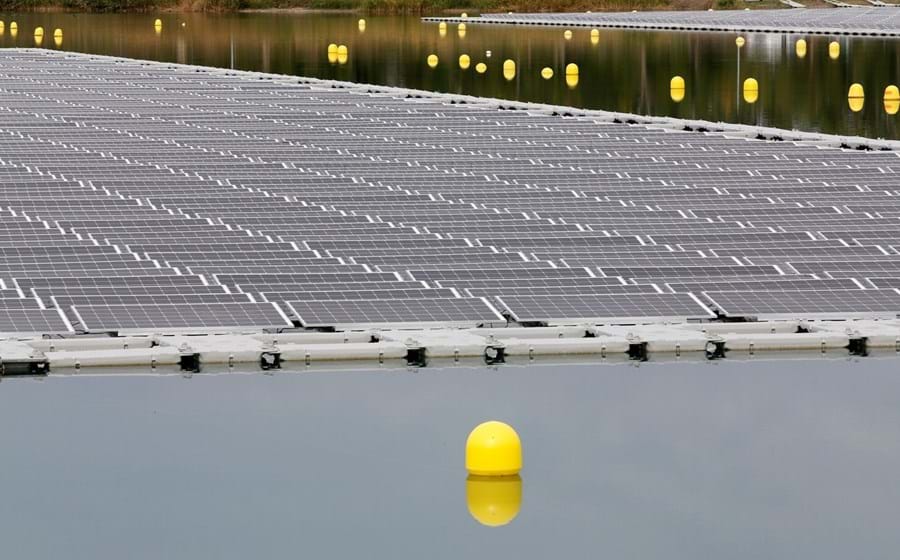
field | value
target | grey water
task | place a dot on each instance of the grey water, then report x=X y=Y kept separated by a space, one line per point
x=785 y=458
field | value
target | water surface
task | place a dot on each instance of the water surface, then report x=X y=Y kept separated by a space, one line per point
x=627 y=71
x=685 y=460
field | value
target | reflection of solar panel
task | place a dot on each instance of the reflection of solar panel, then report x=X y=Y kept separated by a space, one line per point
x=385 y=211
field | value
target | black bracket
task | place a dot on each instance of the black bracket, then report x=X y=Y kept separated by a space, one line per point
x=270 y=360
x=416 y=356
x=859 y=346
x=494 y=355
x=715 y=349
x=638 y=351
x=190 y=362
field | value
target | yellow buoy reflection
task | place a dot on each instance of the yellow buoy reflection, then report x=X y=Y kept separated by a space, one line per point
x=38 y=36
x=361 y=24
x=834 y=50
x=57 y=37
x=751 y=90
x=13 y=29
x=567 y=34
x=332 y=53
x=892 y=106
x=677 y=89
x=461 y=31
x=432 y=60
x=856 y=97
x=494 y=501
x=342 y=54
x=481 y=67
x=461 y=27
x=800 y=48
x=547 y=73
x=2 y=27
x=572 y=80
x=509 y=69
x=464 y=61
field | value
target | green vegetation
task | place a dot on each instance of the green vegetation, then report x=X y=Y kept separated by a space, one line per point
x=372 y=6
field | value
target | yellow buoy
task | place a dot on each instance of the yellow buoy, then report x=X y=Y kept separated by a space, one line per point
x=361 y=24
x=509 y=69
x=57 y=32
x=332 y=53
x=342 y=55
x=442 y=25
x=481 y=67
x=595 y=36
x=572 y=80
x=751 y=90
x=892 y=93
x=677 y=89
x=571 y=69
x=547 y=73
x=800 y=48
x=461 y=30
x=57 y=37
x=157 y=23
x=567 y=34
x=13 y=29
x=38 y=31
x=461 y=27
x=2 y=27
x=494 y=501
x=493 y=449
x=342 y=50
x=464 y=15
x=739 y=42
x=464 y=61
x=432 y=60
x=856 y=97
x=442 y=31
x=834 y=50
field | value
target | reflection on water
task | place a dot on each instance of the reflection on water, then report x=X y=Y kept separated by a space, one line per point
x=802 y=80
x=681 y=460
x=494 y=501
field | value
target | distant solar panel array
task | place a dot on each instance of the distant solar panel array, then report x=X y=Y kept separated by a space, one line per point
x=163 y=198
x=876 y=21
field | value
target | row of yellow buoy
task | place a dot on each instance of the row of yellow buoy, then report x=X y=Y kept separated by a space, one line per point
x=801 y=48
x=856 y=98
x=509 y=68
x=856 y=95
x=38 y=33
x=338 y=54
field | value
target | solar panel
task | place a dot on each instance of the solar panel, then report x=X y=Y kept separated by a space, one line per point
x=173 y=317
x=808 y=304
x=465 y=312
x=619 y=308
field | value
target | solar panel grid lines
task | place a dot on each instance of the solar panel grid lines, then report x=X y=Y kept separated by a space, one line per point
x=808 y=304
x=390 y=166
x=634 y=308
x=177 y=317
x=465 y=312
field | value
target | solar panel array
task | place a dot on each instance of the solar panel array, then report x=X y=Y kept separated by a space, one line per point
x=155 y=197
x=881 y=21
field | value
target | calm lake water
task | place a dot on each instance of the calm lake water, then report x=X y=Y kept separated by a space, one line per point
x=685 y=460
x=624 y=71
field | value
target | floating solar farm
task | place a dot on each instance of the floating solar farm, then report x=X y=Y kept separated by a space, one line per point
x=140 y=197
x=882 y=21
